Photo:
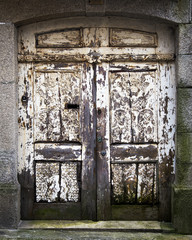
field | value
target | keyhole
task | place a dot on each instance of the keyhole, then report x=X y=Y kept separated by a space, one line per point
x=99 y=111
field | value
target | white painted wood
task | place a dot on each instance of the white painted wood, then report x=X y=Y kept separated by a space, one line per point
x=25 y=119
x=129 y=38
x=47 y=182
x=167 y=116
x=65 y=38
x=136 y=100
x=57 y=151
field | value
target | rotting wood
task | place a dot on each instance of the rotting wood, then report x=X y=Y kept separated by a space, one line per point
x=88 y=128
x=124 y=183
x=167 y=128
x=134 y=183
x=57 y=151
x=103 y=143
x=105 y=58
x=132 y=152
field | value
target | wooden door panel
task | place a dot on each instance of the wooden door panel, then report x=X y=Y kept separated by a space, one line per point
x=70 y=182
x=144 y=106
x=120 y=107
x=56 y=104
x=124 y=183
x=134 y=152
x=47 y=182
x=134 y=183
x=54 y=167
x=58 y=151
x=134 y=147
x=133 y=93
x=147 y=183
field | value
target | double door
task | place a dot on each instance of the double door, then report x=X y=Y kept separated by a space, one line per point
x=92 y=141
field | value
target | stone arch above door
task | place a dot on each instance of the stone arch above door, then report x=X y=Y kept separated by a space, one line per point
x=96 y=53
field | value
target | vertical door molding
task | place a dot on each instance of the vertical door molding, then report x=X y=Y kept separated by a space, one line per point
x=88 y=125
x=103 y=143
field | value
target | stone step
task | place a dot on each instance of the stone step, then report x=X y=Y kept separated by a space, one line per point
x=115 y=226
x=58 y=234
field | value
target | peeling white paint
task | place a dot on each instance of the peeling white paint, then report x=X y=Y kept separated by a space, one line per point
x=137 y=101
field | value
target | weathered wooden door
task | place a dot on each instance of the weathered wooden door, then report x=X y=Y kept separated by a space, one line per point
x=93 y=122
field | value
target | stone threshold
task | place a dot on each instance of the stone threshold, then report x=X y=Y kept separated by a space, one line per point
x=86 y=225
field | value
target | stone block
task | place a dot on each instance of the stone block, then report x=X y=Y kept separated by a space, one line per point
x=184 y=111
x=184 y=150
x=11 y=11
x=182 y=209
x=184 y=70
x=183 y=174
x=8 y=170
x=8 y=120
x=172 y=10
x=184 y=39
x=176 y=11
x=9 y=206
x=95 y=7
x=8 y=96
x=8 y=56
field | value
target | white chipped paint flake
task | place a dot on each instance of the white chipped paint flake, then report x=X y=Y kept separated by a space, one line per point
x=56 y=151
x=133 y=104
x=70 y=191
x=167 y=115
x=47 y=182
x=124 y=183
x=56 y=97
x=65 y=38
x=102 y=103
x=57 y=101
x=25 y=119
x=146 y=190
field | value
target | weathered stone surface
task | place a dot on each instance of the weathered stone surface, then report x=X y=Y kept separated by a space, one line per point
x=95 y=8
x=8 y=171
x=45 y=234
x=183 y=174
x=9 y=191
x=9 y=206
x=22 y=11
x=8 y=98
x=8 y=118
x=8 y=53
x=178 y=11
x=184 y=70
x=184 y=39
x=184 y=151
x=184 y=111
x=182 y=209
x=19 y=11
